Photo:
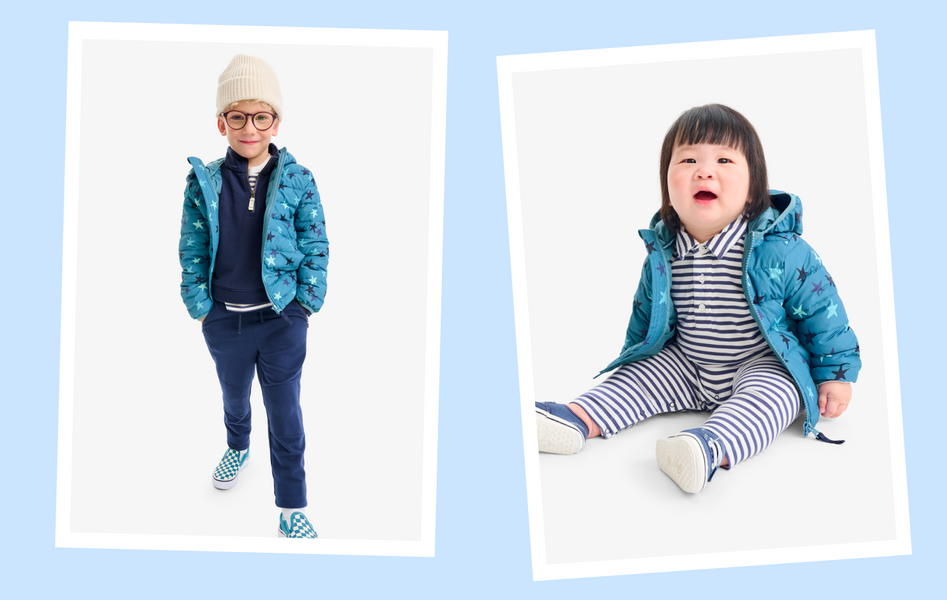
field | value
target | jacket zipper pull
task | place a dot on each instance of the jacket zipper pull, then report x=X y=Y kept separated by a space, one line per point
x=821 y=437
x=251 y=200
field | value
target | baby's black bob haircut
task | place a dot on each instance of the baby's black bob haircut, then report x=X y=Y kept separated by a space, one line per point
x=716 y=124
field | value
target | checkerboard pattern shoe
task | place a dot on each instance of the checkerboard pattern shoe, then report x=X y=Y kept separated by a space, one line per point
x=690 y=458
x=558 y=429
x=225 y=475
x=298 y=527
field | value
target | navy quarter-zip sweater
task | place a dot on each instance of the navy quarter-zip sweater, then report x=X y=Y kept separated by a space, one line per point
x=237 y=271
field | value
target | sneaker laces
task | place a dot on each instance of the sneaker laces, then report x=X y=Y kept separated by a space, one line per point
x=717 y=450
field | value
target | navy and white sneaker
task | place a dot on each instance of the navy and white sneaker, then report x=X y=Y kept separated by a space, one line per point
x=558 y=429
x=225 y=475
x=298 y=527
x=691 y=458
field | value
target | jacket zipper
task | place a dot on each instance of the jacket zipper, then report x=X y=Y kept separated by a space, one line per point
x=278 y=175
x=621 y=357
x=746 y=293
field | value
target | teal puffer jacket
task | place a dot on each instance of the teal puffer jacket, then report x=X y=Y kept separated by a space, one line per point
x=793 y=298
x=295 y=247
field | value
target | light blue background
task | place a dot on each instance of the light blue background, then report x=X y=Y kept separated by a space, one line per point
x=482 y=535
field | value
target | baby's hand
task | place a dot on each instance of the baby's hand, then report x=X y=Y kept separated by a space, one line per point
x=834 y=397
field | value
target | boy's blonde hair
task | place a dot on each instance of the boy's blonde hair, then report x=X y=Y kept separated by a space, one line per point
x=234 y=105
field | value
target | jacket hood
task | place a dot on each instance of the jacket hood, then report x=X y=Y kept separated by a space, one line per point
x=784 y=216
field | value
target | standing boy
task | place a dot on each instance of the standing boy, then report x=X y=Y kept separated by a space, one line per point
x=254 y=252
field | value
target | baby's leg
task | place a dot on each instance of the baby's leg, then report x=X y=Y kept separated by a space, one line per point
x=663 y=383
x=763 y=404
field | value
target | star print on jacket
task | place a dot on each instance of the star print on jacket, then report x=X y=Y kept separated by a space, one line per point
x=832 y=310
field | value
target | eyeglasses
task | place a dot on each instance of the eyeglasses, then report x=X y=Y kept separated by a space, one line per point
x=238 y=120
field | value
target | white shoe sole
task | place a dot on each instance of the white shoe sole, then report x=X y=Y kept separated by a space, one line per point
x=557 y=436
x=682 y=459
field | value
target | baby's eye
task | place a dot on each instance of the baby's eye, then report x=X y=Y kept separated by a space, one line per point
x=689 y=160
x=724 y=160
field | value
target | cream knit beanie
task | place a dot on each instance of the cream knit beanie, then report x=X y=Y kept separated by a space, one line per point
x=249 y=78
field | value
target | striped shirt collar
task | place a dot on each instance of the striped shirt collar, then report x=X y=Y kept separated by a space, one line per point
x=719 y=245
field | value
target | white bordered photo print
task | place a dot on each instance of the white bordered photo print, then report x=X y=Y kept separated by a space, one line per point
x=141 y=417
x=582 y=135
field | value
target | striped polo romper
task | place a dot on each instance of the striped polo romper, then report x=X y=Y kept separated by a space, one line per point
x=718 y=361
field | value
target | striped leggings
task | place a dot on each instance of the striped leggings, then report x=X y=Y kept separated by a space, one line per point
x=762 y=399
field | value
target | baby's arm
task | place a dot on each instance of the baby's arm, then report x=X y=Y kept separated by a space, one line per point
x=824 y=331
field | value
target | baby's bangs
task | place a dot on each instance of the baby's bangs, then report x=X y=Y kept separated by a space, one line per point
x=713 y=124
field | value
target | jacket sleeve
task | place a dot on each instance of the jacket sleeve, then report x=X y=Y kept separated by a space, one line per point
x=821 y=321
x=641 y=312
x=311 y=240
x=194 y=251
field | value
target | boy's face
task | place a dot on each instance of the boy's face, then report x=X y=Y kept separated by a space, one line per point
x=249 y=142
x=709 y=186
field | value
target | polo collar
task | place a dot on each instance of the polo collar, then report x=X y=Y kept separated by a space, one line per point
x=718 y=245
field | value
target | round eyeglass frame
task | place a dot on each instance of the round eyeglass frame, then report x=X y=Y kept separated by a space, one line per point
x=249 y=117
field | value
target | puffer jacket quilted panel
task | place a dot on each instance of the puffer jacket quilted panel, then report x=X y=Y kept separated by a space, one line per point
x=295 y=246
x=793 y=297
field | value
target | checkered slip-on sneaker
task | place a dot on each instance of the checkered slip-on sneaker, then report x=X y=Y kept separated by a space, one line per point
x=690 y=458
x=558 y=429
x=225 y=475
x=298 y=527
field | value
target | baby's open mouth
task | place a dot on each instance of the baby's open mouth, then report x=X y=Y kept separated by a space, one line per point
x=704 y=195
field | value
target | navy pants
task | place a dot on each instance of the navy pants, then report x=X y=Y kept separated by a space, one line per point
x=275 y=346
